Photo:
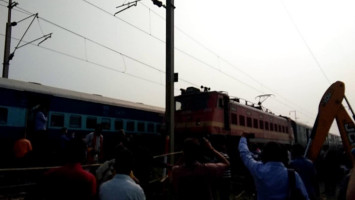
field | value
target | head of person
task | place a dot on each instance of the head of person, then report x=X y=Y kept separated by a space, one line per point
x=297 y=151
x=192 y=150
x=124 y=160
x=273 y=152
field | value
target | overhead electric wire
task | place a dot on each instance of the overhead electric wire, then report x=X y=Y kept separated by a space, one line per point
x=305 y=42
x=88 y=61
x=191 y=56
x=227 y=62
x=99 y=44
x=104 y=46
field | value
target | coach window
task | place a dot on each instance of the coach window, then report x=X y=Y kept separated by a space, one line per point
x=249 y=122
x=271 y=126
x=275 y=127
x=141 y=127
x=118 y=124
x=286 y=129
x=150 y=128
x=75 y=121
x=106 y=123
x=3 y=115
x=266 y=125
x=234 y=118
x=280 y=129
x=130 y=126
x=242 y=120
x=283 y=129
x=91 y=122
x=261 y=124
x=57 y=120
x=255 y=123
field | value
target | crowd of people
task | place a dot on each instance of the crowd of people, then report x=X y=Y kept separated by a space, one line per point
x=204 y=172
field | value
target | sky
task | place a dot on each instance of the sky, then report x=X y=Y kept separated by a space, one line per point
x=293 y=50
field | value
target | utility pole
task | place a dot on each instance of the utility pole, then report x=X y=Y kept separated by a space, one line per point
x=170 y=108
x=5 y=70
x=293 y=111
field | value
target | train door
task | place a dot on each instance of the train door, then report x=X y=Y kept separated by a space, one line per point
x=35 y=102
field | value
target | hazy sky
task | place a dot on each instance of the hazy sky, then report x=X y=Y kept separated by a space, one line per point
x=292 y=49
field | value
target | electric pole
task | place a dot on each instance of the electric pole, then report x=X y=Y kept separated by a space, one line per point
x=5 y=70
x=170 y=108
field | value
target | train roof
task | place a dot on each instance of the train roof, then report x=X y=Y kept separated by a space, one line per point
x=234 y=100
x=64 y=93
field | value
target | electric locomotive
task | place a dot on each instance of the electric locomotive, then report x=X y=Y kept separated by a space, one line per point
x=215 y=113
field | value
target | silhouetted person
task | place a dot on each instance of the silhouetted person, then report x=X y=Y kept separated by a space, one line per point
x=40 y=140
x=223 y=184
x=70 y=181
x=193 y=179
x=94 y=142
x=305 y=168
x=122 y=186
x=270 y=175
x=65 y=138
x=64 y=141
x=106 y=171
x=332 y=171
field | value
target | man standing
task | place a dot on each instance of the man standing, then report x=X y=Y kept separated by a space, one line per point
x=270 y=176
x=193 y=179
x=122 y=186
x=70 y=181
x=305 y=168
x=94 y=142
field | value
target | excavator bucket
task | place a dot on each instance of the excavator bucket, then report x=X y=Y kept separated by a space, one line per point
x=327 y=111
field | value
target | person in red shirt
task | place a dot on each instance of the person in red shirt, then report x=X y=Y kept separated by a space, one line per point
x=192 y=179
x=22 y=148
x=70 y=181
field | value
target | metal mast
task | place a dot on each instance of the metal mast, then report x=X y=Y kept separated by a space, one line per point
x=5 y=70
x=170 y=72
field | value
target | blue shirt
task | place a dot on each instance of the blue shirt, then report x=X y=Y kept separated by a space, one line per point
x=121 y=187
x=41 y=121
x=271 y=178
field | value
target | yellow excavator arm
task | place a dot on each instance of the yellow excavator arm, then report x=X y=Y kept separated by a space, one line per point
x=330 y=108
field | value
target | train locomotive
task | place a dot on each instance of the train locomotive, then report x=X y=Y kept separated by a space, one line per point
x=78 y=112
x=213 y=113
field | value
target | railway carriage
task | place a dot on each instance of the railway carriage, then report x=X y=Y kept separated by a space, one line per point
x=79 y=112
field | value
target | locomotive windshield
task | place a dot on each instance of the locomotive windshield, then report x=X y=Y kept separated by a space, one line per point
x=191 y=102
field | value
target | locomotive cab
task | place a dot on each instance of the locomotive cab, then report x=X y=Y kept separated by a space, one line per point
x=201 y=112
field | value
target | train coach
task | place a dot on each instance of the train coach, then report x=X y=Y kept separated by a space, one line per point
x=78 y=112
x=302 y=133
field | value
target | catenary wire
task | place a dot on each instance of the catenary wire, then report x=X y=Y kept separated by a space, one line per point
x=193 y=57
